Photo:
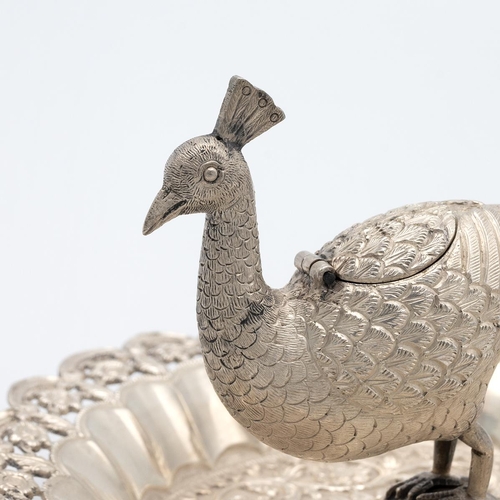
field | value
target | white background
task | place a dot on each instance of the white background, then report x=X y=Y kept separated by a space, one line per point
x=387 y=103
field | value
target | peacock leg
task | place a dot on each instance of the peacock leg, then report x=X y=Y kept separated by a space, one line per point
x=438 y=484
x=443 y=457
x=432 y=485
x=481 y=462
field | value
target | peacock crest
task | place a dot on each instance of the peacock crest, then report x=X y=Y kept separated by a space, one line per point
x=246 y=112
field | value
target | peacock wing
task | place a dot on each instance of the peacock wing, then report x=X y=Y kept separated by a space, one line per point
x=394 y=245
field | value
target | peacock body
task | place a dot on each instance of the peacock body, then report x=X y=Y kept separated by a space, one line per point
x=361 y=368
x=397 y=349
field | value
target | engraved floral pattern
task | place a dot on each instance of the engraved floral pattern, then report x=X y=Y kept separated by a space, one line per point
x=109 y=371
x=17 y=485
x=60 y=400
x=28 y=436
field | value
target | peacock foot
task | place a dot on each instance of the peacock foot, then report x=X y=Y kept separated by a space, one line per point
x=429 y=486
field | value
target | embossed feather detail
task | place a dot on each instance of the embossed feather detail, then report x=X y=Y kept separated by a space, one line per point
x=246 y=113
x=392 y=246
x=399 y=349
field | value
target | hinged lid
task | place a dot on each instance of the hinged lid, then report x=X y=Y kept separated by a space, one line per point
x=392 y=246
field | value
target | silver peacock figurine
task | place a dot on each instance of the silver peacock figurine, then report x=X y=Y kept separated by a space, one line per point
x=385 y=337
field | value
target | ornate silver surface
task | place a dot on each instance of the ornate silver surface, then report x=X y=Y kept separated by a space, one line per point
x=397 y=350
x=143 y=423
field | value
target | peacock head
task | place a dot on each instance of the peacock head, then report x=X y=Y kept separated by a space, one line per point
x=209 y=173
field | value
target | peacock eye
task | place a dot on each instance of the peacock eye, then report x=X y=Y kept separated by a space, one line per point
x=211 y=173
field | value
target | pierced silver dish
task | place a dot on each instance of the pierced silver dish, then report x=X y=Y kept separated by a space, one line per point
x=143 y=423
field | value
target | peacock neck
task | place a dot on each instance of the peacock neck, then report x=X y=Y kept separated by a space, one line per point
x=231 y=287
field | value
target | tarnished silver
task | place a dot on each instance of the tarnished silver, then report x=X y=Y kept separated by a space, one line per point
x=393 y=344
x=143 y=423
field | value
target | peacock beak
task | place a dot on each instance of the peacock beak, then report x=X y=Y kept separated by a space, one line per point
x=166 y=206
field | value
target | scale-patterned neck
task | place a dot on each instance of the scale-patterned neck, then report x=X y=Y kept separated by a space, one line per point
x=231 y=288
